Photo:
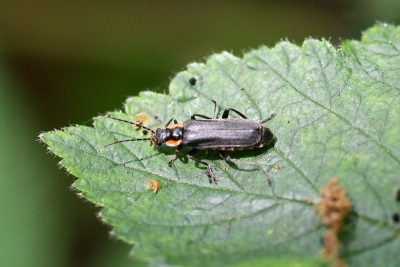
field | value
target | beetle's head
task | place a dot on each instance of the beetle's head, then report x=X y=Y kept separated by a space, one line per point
x=170 y=136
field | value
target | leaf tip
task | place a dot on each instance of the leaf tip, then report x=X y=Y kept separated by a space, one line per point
x=41 y=137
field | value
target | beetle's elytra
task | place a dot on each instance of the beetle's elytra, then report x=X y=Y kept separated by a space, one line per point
x=210 y=133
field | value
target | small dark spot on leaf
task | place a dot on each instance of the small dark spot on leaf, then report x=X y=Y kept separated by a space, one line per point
x=322 y=241
x=396 y=217
x=192 y=81
x=398 y=195
x=288 y=121
x=145 y=132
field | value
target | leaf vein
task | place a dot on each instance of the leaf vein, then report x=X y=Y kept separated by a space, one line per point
x=346 y=121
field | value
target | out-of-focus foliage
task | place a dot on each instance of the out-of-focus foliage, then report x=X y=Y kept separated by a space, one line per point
x=32 y=212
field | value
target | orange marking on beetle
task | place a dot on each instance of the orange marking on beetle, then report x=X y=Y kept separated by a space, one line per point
x=173 y=126
x=153 y=186
x=173 y=142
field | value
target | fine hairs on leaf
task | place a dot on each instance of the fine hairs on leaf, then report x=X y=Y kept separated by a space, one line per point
x=338 y=114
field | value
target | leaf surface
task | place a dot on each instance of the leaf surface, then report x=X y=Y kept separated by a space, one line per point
x=337 y=116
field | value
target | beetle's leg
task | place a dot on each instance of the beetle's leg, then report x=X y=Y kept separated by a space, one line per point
x=193 y=117
x=215 y=108
x=267 y=119
x=226 y=113
x=229 y=159
x=169 y=122
x=176 y=155
x=166 y=124
x=209 y=171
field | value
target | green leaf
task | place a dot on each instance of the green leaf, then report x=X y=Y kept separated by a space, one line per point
x=337 y=116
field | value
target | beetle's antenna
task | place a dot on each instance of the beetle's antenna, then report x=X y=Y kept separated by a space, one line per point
x=267 y=119
x=127 y=140
x=133 y=123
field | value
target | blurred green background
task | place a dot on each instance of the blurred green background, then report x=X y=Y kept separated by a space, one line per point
x=64 y=62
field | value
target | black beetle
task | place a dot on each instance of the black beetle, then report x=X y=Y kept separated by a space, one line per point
x=210 y=133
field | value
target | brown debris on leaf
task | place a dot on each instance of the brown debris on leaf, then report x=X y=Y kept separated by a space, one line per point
x=141 y=119
x=153 y=185
x=277 y=167
x=332 y=210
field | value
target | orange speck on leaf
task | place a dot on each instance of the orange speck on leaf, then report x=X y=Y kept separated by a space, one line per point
x=141 y=119
x=153 y=185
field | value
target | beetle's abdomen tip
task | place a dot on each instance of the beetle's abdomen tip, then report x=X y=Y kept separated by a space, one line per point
x=268 y=136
